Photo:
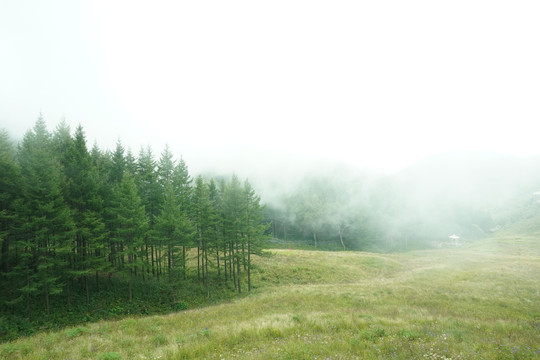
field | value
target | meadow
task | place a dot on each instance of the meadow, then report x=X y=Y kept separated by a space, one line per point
x=476 y=301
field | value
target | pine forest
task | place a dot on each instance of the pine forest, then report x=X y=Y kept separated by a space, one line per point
x=86 y=234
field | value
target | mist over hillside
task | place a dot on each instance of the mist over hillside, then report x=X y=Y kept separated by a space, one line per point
x=470 y=194
x=475 y=177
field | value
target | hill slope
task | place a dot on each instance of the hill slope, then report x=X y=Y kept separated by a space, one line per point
x=479 y=301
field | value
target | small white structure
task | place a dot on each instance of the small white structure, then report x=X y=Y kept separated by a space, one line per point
x=454 y=238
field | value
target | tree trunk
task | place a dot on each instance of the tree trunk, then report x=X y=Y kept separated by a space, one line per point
x=207 y=279
x=238 y=270
x=153 y=264
x=217 y=260
x=341 y=237
x=225 y=261
x=147 y=258
x=160 y=258
x=184 y=261
x=68 y=293
x=232 y=264
x=28 y=294
x=199 y=262
x=244 y=257
x=315 y=238
x=249 y=266
x=87 y=288
x=47 y=300
x=238 y=276
x=169 y=262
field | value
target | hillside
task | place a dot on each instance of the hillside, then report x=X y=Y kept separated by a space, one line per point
x=463 y=193
x=479 y=301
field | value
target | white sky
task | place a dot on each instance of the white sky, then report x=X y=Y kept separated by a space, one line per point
x=377 y=83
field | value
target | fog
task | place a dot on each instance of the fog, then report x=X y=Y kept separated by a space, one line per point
x=377 y=85
x=364 y=96
x=468 y=194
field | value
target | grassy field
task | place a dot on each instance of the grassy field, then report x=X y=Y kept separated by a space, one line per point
x=478 y=301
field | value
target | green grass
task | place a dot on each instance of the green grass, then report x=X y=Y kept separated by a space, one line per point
x=479 y=301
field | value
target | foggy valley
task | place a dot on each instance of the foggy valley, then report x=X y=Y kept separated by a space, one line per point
x=280 y=180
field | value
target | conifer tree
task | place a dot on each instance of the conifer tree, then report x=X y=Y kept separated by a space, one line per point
x=205 y=220
x=165 y=167
x=174 y=229
x=233 y=210
x=181 y=182
x=82 y=194
x=254 y=227
x=114 y=168
x=217 y=233
x=131 y=226
x=149 y=190
x=117 y=164
x=9 y=195
x=48 y=226
x=130 y=163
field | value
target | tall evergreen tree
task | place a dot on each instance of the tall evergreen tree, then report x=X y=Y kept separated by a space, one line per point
x=165 y=167
x=219 y=240
x=233 y=210
x=254 y=228
x=181 y=182
x=83 y=196
x=117 y=164
x=204 y=218
x=131 y=226
x=150 y=192
x=48 y=227
x=173 y=228
x=130 y=163
x=9 y=195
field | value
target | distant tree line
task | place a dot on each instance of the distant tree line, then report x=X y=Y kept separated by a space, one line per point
x=72 y=219
x=353 y=211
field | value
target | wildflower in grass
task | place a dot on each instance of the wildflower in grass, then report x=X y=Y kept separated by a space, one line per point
x=206 y=332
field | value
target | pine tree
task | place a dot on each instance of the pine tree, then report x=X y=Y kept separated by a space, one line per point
x=149 y=190
x=165 y=168
x=233 y=213
x=130 y=163
x=48 y=226
x=174 y=229
x=117 y=164
x=204 y=218
x=181 y=182
x=131 y=226
x=83 y=196
x=114 y=168
x=219 y=241
x=9 y=221
x=254 y=227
